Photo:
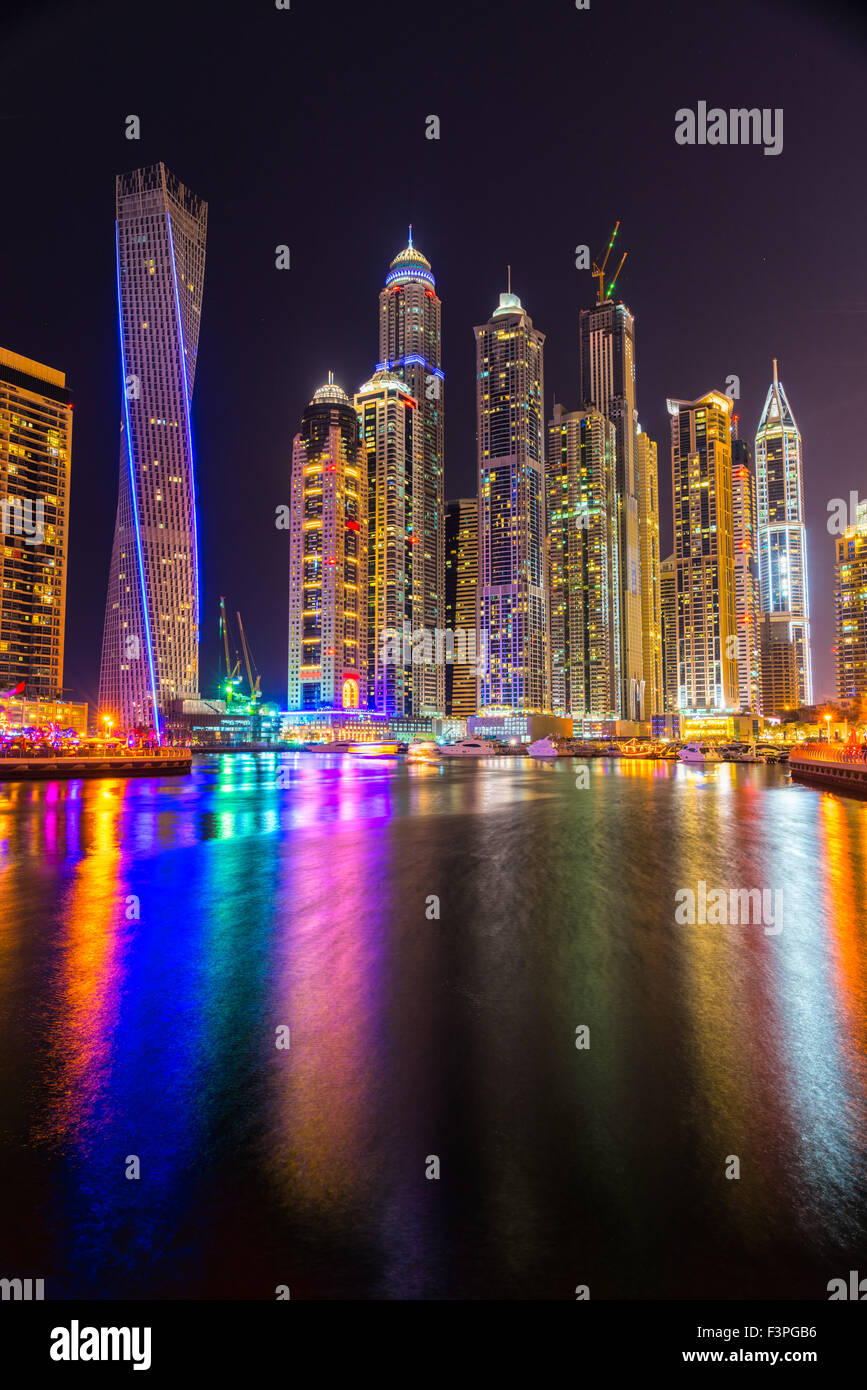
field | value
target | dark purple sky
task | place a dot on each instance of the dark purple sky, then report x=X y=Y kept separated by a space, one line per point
x=306 y=127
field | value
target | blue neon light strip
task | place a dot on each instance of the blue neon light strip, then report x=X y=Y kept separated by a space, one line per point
x=410 y=272
x=155 y=710
x=187 y=404
x=412 y=360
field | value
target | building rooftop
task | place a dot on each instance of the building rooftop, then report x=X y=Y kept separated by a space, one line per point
x=330 y=391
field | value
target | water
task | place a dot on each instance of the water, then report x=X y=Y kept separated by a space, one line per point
x=148 y=1029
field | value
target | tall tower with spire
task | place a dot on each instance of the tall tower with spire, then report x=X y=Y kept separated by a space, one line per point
x=512 y=599
x=606 y=369
x=782 y=535
x=410 y=347
x=328 y=557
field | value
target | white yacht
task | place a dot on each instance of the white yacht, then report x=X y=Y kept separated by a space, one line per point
x=700 y=753
x=551 y=747
x=469 y=748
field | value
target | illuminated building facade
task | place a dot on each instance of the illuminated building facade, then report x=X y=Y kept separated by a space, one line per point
x=648 y=533
x=410 y=347
x=512 y=608
x=746 y=578
x=328 y=651
x=701 y=462
x=35 y=450
x=462 y=579
x=150 y=647
x=850 y=608
x=779 y=669
x=390 y=428
x=607 y=381
x=668 y=618
x=583 y=565
x=783 y=583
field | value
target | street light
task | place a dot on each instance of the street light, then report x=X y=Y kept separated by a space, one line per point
x=828 y=722
x=107 y=719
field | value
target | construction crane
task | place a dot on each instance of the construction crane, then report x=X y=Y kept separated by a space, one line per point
x=255 y=692
x=233 y=669
x=232 y=680
x=599 y=270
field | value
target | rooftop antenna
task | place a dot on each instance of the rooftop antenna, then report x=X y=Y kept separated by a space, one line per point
x=330 y=378
x=410 y=236
x=509 y=279
x=776 y=382
x=599 y=270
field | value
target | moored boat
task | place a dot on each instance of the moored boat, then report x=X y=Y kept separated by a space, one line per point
x=634 y=748
x=552 y=746
x=469 y=748
x=700 y=753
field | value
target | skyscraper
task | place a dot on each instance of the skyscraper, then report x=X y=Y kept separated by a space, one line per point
x=783 y=583
x=583 y=560
x=648 y=531
x=512 y=617
x=746 y=577
x=779 y=669
x=668 y=613
x=410 y=346
x=328 y=616
x=850 y=608
x=35 y=448
x=701 y=462
x=400 y=649
x=150 y=647
x=462 y=580
x=606 y=361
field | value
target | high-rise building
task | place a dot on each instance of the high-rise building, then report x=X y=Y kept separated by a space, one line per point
x=850 y=608
x=462 y=579
x=583 y=565
x=607 y=381
x=512 y=609
x=401 y=649
x=35 y=449
x=668 y=615
x=779 y=669
x=648 y=532
x=701 y=462
x=783 y=582
x=328 y=615
x=150 y=647
x=746 y=577
x=410 y=346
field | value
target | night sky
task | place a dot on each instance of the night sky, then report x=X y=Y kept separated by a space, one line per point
x=307 y=127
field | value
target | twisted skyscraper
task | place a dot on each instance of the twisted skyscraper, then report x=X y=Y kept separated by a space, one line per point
x=150 y=648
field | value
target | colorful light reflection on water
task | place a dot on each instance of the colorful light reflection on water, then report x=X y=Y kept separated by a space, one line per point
x=154 y=935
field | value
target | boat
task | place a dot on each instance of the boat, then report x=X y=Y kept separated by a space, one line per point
x=553 y=746
x=743 y=753
x=469 y=748
x=635 y=749
x=700 y=753
x=423 y=751
x=374 y=750
x=770 y=753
